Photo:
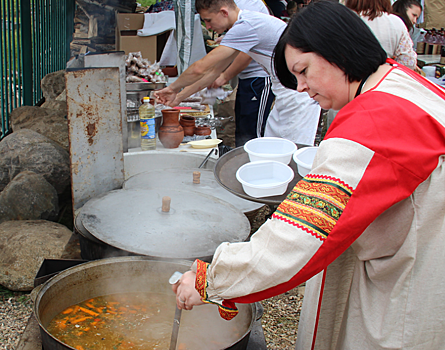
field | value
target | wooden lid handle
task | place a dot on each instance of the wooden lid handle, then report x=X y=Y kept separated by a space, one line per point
x=166 y=204
x=196 y=177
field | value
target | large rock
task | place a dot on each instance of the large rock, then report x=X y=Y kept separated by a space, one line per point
x=28 y=150
x=28 y=197
x=24 y=245
x=53 y=84
x=58 y=103
x=50 y=122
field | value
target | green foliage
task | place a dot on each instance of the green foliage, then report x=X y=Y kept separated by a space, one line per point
x=24 y=298
x=6 y=293
x=146 y=2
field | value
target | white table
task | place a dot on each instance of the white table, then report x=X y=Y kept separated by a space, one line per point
x=182 y=148
x=429 y=59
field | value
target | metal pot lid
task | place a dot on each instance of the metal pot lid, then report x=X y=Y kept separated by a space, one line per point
x=78 y=225
x=225 y=173
x=133 y=220
x=182 y=178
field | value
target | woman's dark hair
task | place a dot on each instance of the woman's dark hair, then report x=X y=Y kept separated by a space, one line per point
x=400 y=8
x=369 y=8
x=335 y=33
x=291 y=4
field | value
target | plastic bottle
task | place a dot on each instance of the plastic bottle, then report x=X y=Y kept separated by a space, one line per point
x=148 y=130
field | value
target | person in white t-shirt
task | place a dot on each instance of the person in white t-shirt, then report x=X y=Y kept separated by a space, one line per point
x=295 y=115
x=254 y=96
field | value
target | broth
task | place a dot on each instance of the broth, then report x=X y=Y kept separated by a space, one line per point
x=141 y=321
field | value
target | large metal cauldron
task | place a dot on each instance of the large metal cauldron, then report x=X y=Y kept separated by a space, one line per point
x=123 y=275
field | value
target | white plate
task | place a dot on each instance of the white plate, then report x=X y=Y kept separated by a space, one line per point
x=208 y=143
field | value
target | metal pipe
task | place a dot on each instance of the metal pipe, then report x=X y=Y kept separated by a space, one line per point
x=206 y=158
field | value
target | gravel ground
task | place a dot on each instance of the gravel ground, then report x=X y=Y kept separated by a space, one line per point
x=280 y=319
x=15 y=309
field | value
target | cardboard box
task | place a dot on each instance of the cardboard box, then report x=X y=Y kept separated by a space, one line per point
x=128 y=41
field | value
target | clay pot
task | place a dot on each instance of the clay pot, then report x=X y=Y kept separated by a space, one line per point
x=203 y=130
x=187 y=120
x=188 y=124
x=189 y=130
x=170 y=133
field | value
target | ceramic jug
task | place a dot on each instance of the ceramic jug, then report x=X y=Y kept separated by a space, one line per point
x=170 y=133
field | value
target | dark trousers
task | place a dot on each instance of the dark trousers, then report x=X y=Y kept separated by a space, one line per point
x=276 y=6
x=252 y=107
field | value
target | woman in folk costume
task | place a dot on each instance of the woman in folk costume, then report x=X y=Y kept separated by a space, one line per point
x=366 y=227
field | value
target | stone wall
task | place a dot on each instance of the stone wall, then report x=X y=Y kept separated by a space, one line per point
x=35 y=187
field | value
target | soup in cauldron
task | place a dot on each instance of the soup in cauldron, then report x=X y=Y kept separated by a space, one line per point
x=139 y=321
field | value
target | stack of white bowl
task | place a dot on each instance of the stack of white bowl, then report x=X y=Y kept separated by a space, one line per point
x=268 y=172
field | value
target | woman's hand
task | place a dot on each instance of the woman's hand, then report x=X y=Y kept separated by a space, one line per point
x=186 y=294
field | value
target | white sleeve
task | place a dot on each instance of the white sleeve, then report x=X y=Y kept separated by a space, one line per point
x=405 y=53
x=241 y=37
x=273 y=255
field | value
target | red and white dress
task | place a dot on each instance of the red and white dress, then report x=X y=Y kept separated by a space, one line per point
x=365 y=229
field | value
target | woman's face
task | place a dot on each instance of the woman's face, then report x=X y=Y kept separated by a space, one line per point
x=324 y=82
x=291 y=11
x=413 y=13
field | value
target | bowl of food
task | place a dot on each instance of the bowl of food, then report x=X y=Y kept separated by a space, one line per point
x=264 y=178
x=304 y=158
x=270 y=148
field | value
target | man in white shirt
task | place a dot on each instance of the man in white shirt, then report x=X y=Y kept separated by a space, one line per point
x=295 y=115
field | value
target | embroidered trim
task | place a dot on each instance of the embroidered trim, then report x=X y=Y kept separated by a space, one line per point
x=201 y=279
x=227 y=309
x=333 y=180
x=315 y=204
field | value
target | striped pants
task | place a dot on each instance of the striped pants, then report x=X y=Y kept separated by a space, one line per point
x=252 y=106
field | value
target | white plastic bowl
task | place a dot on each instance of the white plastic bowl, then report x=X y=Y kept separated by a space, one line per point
x=304 y=158
x=430 y=71
x=270 y=148
x=264 y=178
